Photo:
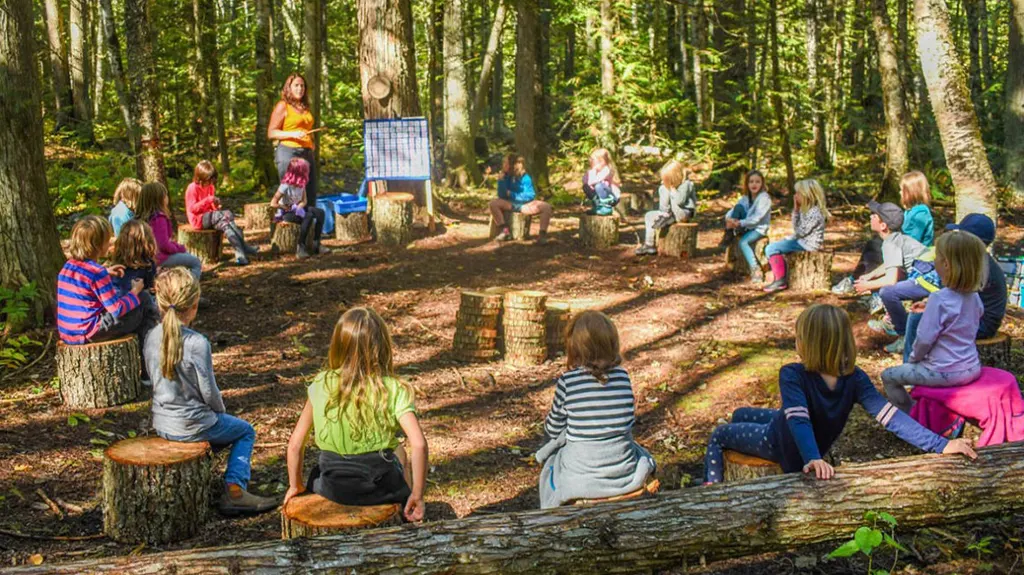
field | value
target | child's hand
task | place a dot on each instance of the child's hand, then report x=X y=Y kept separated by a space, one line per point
x=860 y=286
x=116 y=270
x=414 y=509
x=137 y=286
x=822 y=470
x=292 y=492
x=918 y=306
x=961 y=446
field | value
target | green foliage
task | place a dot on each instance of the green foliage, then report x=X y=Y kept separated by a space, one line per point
x=868 y=538
x=14 y=308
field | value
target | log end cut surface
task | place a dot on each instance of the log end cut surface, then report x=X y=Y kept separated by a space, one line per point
x=155 y=451
x=316 y=511
x=109 y=342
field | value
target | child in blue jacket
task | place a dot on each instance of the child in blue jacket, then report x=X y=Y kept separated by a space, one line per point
x=516 y=194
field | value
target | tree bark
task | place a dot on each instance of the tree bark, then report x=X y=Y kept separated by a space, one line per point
x=640 y=535
x=1013 y=115
x=609 y=19
x=58 y=64
x=487 y=66
x=435 y=71
x=258 y=216
x=29 y=245
x=99 y=85
x=264 y=169
x=809 y=271
x=206 y=44
x=681 y=39
x=312 y=64
x=352 y=228
x=204 y=244
x=700 y=76
x=498 y=94
x=199 y=84
x=678 y=240
x=386 y=49
x=311 y=515
x=986 y=52
x=855 y=112
x=730 y=80
x=974 y=50
x=124 y=98
x=460 y=158
x=78 y=61
x=284 y=237
x=897 y=118
x=142 y=76
x=811 y=49
x=954 y=114
x=99 y=375
x=599 y=232
x=995 y=352
x=780 y=112
x=542 y=96
x=527 y=29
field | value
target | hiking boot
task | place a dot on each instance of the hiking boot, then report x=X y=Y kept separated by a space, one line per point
x=844 y=287
x=504 y=236
x=896 y=347
x=777 y=285
x=646 y=250
x=663 y=221
x=322 y=250
x=301 y=252
x=876 y=304
x=756 y=276
x=542 y=238
x=237 y=501
x=250 y=250
x=882 y=326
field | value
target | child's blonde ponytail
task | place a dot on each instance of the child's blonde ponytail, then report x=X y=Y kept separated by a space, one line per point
x=176 y=293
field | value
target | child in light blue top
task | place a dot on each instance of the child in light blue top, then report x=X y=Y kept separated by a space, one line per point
x=916 y=197
x=125 y=196
x=749 y=219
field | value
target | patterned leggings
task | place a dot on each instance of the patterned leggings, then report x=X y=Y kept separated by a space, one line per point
x=895 y=378
x=748 y=434
x=224 y=221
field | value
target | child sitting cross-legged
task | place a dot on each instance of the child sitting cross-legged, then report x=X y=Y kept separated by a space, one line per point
x=817 y=397
x=601 y=183
x=809 y=217
x=898 y=253
x=206 y=213
x=944 y=352
x=590 y=453
x=677 y=202
x=355 y=407
x=187 y=404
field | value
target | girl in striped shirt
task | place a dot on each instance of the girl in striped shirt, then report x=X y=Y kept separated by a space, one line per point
x=590 y=452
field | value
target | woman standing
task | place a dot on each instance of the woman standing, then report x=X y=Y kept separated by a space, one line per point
x=290 y=124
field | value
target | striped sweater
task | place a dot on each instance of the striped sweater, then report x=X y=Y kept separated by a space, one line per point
x=84 y=292
x=588 y=410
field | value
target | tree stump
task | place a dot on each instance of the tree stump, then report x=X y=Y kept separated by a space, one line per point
x=599 y=232
x=625 y=205
x=102 y=374
x=556 y=320
x=285 y=237
x=204 y=244
x=734 y=257
x=523 y=328
x=995 y=351
x=258 y=216
x=649 y=490
x=155 y=491
x=678 y=240
x=740 y=467
x=809 y=271
x=518 y=225
x=476 y=326
x=312 y=515
x=352 y=228
x=392 y=218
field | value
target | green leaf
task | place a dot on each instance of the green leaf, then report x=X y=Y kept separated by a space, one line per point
x=871 y=516
x=847 y=549
x=131 y=434
x=893 y=543
x=867 y=539
x=98 y=441
x=887 y=518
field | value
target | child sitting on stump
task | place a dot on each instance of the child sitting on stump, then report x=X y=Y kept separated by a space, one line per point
x=290 y=201
x=135 y=251
x=187 y=405
x=206 y=213
x=125 y=197
x=750 y=219
x=809 y=218
x=590 y=453
x=898 y=253
x=154 y=209
x=516 y=194
x=817 y=397
x=677 y=202
x=601 y=183
x=355 y=406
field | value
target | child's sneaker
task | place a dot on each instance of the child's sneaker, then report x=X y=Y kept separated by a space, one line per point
x=603 y=210
x=896 y=347
x=844 y=287
x=876 y=304
x=237 y=501
x=301 y=252
x=322 y=250
x=646 y=250
x=883 y=325
x=504 y=236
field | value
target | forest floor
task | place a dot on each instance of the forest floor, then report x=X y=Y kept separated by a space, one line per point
x=697 y=342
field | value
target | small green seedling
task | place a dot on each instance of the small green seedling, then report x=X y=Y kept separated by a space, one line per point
x=868 y=538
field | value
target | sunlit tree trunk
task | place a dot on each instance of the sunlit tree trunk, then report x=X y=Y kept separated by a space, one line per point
x=264 y=169
x=205 y=16
x=974 y=49
x=460 y=158
x=78 y=61
x=124 y=98
x=780 y=112
x=386 y=49
x=1013 y=122
x=701 y=77
x=435 y=70
x=487 y=66
x=897 y=121
x=811 y=47
x=609 y=20
x=99 y=66
x=527 y=29
x=58 y=64
x=951 y=103
x=312 y=63
x=142 y=76
x=731 y=80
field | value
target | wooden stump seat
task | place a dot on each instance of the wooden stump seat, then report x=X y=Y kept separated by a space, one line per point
x=204 y=244
x=995 y=351
x=392 y=218
x=258 y=216
x=734 y=257
x=599 y=232
x=524 y=329
x=352 y=228
x=649 y=490
x=285 y=237
x=476 y=326
x=740 y=466
x=678 y=240
x=311 y=515
x=518 y=225
x=809 y=271
x=155 y=491
x=98 y=375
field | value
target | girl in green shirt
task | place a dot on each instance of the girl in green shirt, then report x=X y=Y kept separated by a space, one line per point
x=355 y=407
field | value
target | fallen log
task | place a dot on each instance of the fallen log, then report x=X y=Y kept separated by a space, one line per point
x=726 y=520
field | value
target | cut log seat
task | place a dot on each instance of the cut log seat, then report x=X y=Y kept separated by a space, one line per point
x=101 y=374
x=312 y=515
x=740 y=466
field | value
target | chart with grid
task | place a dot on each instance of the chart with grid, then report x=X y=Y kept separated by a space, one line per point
x=397 y=149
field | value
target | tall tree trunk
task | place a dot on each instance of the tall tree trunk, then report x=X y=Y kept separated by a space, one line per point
x=487 y=67
x=325 y=91
x=855 y=112
x=312 y=64
x=142 y=75
x=542 y=96
x=897 y=120
x=730 y=80
x=904 y=49
x=681 y=39
x=460 y=158
x=1013 y=118
x=435 y=71
x=98 y=65
x=954 y=113
x=986 y=51
x=569 y=61
x=700 y=76
x=527 y=30
x=591 y=29
x=78 y=61
x=837 y=94
x=29 y=246
x=199 y=72
x=264 y=169
x=386 y=49
x=58 y=64
x=811 y=45
x=498 y=93
x=780 y=112
x=124 y=99
x=213 y=105
x=609 y=21
x=974 y=47
x=278 y=48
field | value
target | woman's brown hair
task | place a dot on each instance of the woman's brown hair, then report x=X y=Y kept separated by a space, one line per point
x=135 y=247
x=592 y=343
x=286 y=92
x=824 y=340
x=90 y=237
x=153 y=199
x=204 y=173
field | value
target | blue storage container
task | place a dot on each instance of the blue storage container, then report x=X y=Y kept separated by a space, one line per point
x=326 y=204
x=349 y=203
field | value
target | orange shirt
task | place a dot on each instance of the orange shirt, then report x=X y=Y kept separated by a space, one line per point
x=295 y=120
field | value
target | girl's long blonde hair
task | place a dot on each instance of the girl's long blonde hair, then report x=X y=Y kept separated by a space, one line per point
x=824 y=340
x=811 y=194
x=606 y=156
x=360 y=358
x=153 y=199
x=176 y=293
x=135 y=247
x=965 y=255
x=128 y=192
x=914 y=190
x=673 y=174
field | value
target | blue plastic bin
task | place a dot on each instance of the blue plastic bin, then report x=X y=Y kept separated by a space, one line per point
x=349 y=204
x=326 y=204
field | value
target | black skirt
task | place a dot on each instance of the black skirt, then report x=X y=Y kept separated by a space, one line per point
x=366 y=479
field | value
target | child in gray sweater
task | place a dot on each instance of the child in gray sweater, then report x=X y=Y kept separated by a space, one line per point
x=187 y=405
x=677 y=202
x=809 y=217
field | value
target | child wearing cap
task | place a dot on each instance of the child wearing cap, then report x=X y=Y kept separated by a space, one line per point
x=898 y=249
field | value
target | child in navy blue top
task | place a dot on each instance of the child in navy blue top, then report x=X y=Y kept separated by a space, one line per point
x=817 y=397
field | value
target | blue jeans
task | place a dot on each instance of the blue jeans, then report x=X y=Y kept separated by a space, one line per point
x=233 y=432
x=913 y=320
x=184 y=260
x=746 y=241
x=893 y=297
x=748 y=434
x=781 y=247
